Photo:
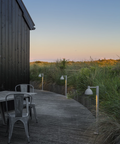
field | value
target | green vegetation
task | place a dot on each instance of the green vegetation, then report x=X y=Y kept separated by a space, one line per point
x=104 y=73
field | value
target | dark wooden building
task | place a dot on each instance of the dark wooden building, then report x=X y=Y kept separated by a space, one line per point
x=15 y=26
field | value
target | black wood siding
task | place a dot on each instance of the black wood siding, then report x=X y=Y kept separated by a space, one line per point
x=14 y=46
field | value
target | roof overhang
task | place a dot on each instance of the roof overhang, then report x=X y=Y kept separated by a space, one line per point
x=26 y=15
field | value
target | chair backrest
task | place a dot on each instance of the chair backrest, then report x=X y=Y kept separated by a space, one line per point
x=24 y=87
x=18 y=102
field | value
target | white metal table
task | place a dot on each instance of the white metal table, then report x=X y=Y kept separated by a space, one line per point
x=2 y=100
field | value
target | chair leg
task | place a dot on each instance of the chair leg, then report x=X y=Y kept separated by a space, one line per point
x=34 y=109
x=7 y=128
x=26 y=130
x=11 y=124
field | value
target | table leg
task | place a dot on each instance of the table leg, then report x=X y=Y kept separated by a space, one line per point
x=2 y=111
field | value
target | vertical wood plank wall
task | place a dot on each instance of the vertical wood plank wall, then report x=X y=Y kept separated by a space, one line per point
x=14 y=46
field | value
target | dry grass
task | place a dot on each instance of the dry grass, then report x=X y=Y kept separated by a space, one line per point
x=109 y=130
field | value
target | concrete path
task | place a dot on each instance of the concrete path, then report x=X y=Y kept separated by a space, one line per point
x=60 y=121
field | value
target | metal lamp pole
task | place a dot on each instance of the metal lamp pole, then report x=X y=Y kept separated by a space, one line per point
x=42 y=80
x=41 y=75
x=65 y=85
x=62 y=78
x=89 y=92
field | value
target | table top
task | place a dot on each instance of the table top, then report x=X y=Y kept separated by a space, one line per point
x=4 y=93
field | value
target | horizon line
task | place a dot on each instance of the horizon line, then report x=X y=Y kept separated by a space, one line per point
x=91 y=59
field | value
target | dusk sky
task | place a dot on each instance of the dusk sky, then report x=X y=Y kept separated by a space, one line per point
x=74 y=29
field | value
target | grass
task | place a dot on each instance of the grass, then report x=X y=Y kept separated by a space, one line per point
x=104 y=73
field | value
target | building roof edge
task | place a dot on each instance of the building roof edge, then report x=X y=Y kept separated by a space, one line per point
x=26 y=15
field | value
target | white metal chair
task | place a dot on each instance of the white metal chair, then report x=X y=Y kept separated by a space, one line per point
x=18 y=114
x=26 y=88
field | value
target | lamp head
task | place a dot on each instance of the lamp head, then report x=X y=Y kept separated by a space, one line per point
x=62 y=77
x=39 y=75
x=88 y=92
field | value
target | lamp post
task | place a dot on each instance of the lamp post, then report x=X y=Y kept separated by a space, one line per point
x=41 y=75
x=62 y=78
x=89 y=92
